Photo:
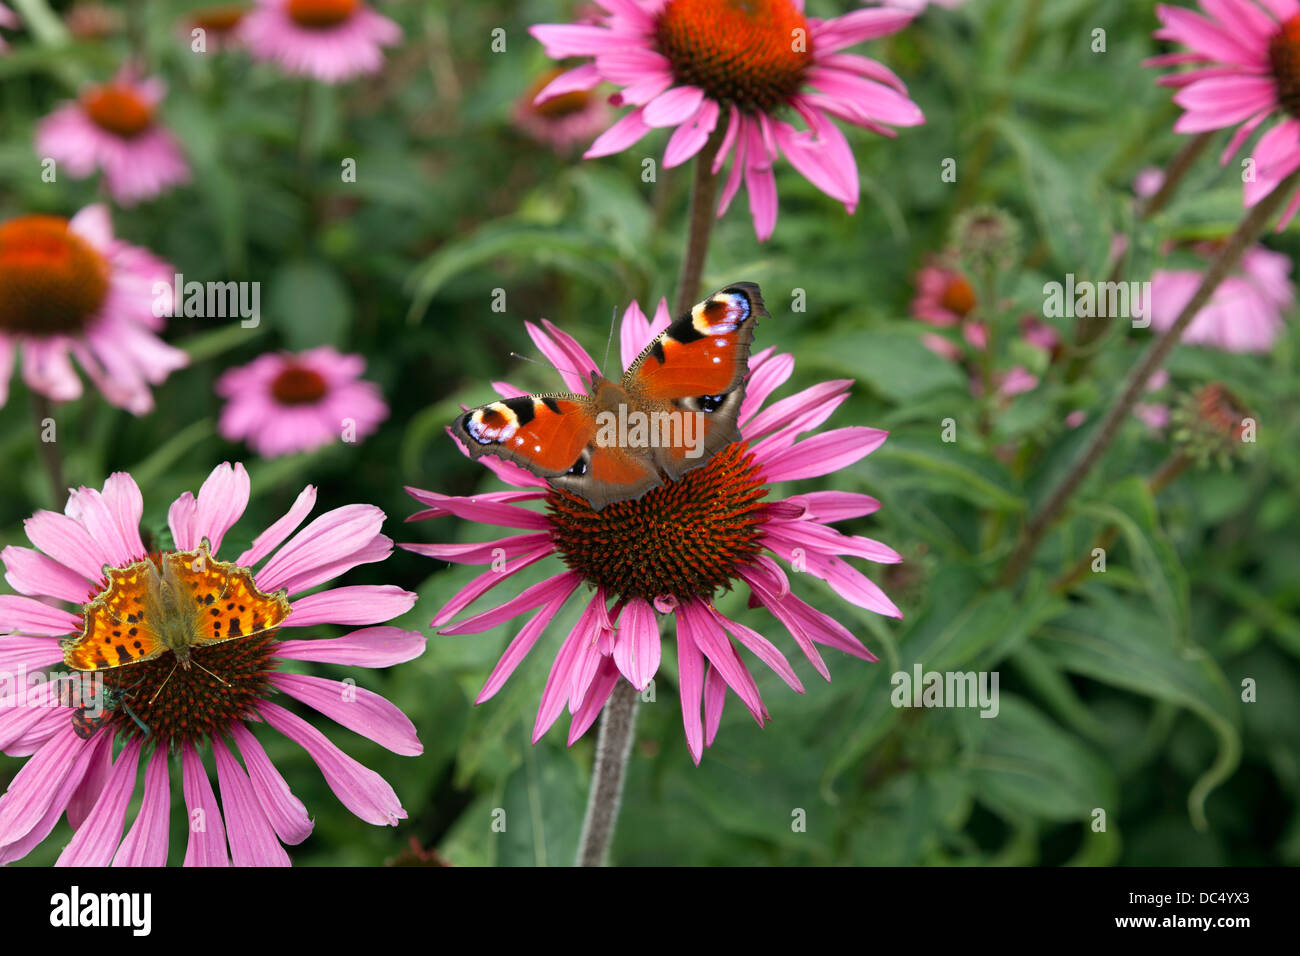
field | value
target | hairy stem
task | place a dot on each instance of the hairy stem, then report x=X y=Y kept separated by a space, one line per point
x=1250 y=229
x=613 y=747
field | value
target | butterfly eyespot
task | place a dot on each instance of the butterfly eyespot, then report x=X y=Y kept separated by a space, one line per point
x=711 y=403
x=579 y=468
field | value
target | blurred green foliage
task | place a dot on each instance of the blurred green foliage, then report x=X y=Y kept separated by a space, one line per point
x=1123 y=693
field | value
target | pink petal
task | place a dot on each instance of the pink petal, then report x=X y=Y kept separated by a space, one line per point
x=523 y=642
x=252 y=840
x=602 y=685
x=822 y=454
x=146 y=841
x=358 y=788
x=287 y=815
x=207 y=842
x=675 y=106
x=30 y=572
x=618 y=137
x=637 y=648
x=531 y=597
x=272 y=537
x=68 y=542
x=29 y=616
x=486 y=581
x=368 y=647
x=358 y=604
x=357 y=709
x=690 y=687
x=331 y=538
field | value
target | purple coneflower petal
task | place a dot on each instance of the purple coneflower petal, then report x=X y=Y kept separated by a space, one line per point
x=145 y=843
x=274 y=536
x=285 y=812
x=96 y=840
x=98 y=771
x=356 y=708
x=67 y=541
x=356 y=604
x=602 y=685
x=531 y=597
x=360 y=789
x=28 y=616
x=207 y=841
x=252 y=839
x=822 y=454
x=690 y=687
x=760 y=647
x=486 y=581
x=30 y=572
x=19 y=835
x=368 y=647
x=335 y=542
x=482 y=552
x=638 y=645
x=715 y=699
x=523 y=641
x=712 y=642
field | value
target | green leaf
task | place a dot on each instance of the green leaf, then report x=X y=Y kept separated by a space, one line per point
x=1067 y=201
x=1130 y=506
x=1129 y=647
x=947 y=468
x=891 y=360
x=309 y=304
x=543 y=802
x=1023 y=764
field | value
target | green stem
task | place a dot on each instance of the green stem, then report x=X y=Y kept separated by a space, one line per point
x=704 y=190
x=1250 y=229
x=51 y=460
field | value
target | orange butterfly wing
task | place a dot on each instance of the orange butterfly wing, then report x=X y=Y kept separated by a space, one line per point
x=115 y=632
x=238 y=609
x=542 y=433
x=697 y=368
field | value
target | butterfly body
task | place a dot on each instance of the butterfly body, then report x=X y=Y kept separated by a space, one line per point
x=182 y=601
x=675 y=406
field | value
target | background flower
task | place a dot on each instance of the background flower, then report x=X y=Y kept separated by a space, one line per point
x=1247 y=311
x=1246 y=69
x=282 y=403
x=328 y=40
x=692 y=65
x=114 y=128
x=70 y=289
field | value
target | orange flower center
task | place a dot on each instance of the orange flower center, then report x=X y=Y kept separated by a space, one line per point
x=1284 y=55
x=566 y=104
x=321 y=14
x=752 y=53
x=298 y=385
x=685 y=538
x=52 y=281
x=219 y=19
x=118 y=109
x=958 y=296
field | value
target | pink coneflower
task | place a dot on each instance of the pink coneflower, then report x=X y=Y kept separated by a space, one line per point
x=215 y=701
x=1246 y=312
x=212 y=702
x=282 y=403
x=329 y=40
x=944 y=296
x=691 y=64
x=1247 y=59
x=68 y=288
x=561 y=122
x=114 y=128
x=222 y=26
x=711 y=530
x=9 y=20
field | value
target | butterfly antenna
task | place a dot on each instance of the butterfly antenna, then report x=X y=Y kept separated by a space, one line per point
x=613 y=323
x=208 y=672
x=546 y=364
x=164 y=683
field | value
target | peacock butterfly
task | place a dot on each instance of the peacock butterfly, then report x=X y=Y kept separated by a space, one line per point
x=676 y=405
